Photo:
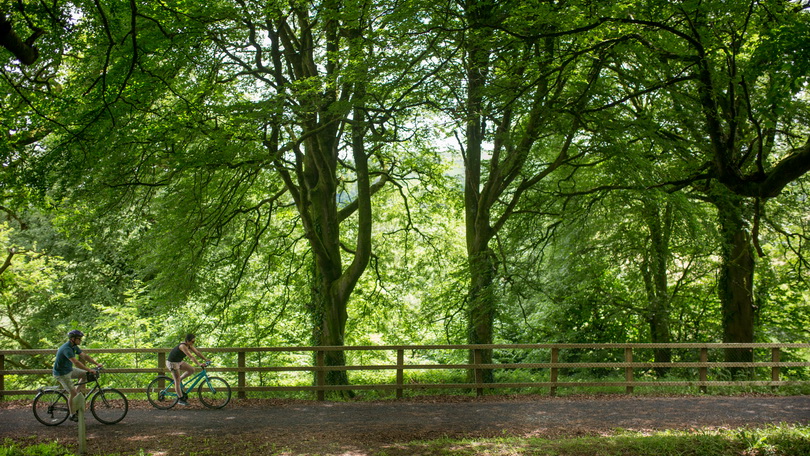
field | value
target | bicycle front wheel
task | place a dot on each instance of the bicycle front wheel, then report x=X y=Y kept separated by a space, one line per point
x=214 y=392
x=109 y=405
x=51 y=408
x=160 y=393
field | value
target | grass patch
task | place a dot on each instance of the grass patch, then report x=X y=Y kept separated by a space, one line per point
x=783 y=440
x=770 y=441
x=10 y=448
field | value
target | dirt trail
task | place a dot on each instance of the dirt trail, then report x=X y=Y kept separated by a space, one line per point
x=264 y=426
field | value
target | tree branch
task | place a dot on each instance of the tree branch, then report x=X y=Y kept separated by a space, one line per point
x=24 y=51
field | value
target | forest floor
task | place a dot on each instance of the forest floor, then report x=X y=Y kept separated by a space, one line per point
x=296 y=427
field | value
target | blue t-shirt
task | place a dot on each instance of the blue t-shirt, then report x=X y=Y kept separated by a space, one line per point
x=63 y=365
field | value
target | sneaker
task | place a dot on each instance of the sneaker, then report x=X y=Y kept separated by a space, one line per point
x=182 y=402
x=74 y=417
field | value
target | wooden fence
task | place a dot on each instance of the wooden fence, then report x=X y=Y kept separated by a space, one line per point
x=403 y=364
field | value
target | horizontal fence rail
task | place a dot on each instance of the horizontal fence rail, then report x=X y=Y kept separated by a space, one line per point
x=316 y=365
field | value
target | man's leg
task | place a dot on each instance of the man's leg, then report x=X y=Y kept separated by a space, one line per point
x=81 y=376
x=67 y=384
x=73 y=393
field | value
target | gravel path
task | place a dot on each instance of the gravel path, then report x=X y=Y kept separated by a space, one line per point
x=303 y=426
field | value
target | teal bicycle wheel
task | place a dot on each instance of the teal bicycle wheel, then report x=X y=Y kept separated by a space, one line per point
x=214 y=392
x=160 y=393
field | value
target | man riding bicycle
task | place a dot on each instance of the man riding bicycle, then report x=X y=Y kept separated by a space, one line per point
x=69 y=365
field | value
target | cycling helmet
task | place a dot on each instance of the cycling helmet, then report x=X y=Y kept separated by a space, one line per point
x=75 y=333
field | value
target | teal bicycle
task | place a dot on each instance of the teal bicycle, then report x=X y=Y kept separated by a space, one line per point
x=214 y=392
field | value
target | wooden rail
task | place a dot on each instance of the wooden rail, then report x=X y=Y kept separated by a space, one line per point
x=403 y=364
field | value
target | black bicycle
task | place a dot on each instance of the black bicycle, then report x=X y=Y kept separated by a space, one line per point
x=108 y=405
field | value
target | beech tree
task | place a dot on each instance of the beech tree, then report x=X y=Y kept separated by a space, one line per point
x=201 y=125
x=735 y=105
x=529 y=68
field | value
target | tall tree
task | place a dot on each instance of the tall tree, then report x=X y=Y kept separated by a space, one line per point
x=526 y=75
x=222 y=116
x=735 y=106
x=337 y=102
x=341 y=88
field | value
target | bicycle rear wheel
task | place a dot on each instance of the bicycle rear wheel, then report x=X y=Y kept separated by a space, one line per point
x=109 y=405
x=214 y=392
x=51 y=408
x=160 y=392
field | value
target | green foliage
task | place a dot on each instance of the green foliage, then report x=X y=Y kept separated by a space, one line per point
x=413 y=293
x=30 y=294
x=142 y=170
x=10 y=448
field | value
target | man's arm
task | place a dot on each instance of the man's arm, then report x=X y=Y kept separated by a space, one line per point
x=77 y=363
x=88 y=358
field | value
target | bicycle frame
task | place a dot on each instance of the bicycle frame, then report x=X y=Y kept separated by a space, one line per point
x=194 y=380
x=96 y=387
x=188 y=385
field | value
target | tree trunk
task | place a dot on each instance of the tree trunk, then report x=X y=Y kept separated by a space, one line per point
x=655 y=272
x=660 y=333
x=481 y=310
x=736 y=280
x=329 y=317
x=480 y=299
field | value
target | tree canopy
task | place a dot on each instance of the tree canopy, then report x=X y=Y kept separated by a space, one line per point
x=337 y=172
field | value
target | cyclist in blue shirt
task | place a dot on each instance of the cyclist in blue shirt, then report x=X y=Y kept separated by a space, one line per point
x=69 y=364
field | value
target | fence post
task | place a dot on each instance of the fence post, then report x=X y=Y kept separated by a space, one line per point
x=479 y=373
x=320 y=374
x=628 y=371
x=775 y=358
x=162 y=365
x=400 y=371
x=78 y=409
x=555 y=358
x=241 y=374
x=704 y=371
